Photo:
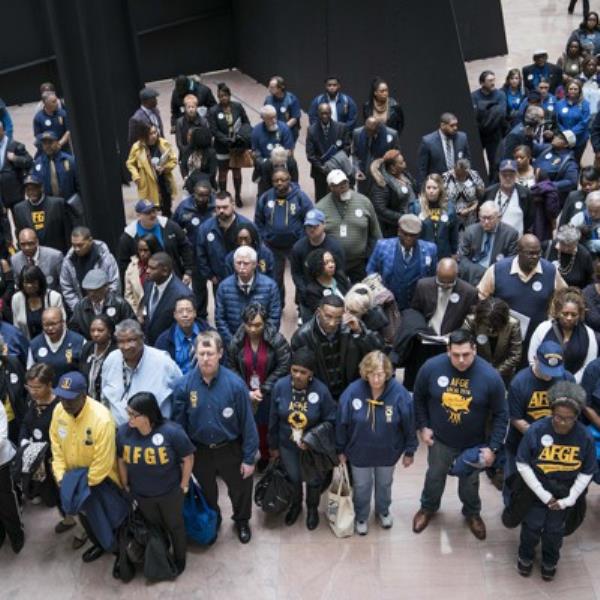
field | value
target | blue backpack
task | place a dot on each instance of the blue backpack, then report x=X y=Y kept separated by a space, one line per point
x=199 y=519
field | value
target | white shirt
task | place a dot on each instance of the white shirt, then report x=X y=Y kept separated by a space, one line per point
x=333 y=106
x=510 y=210
x=161 y=288
x=443 y=297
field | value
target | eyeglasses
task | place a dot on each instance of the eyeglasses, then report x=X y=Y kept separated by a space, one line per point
x=564 y=420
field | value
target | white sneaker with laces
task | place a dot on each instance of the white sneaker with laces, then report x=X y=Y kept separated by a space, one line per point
x=362 y=528
x=386 y=520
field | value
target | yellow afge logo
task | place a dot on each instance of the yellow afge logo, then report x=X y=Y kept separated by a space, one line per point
x=457 y=398
x=557 y=458
x=539 y=406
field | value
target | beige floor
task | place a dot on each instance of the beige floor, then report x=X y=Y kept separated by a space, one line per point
x=445 y=561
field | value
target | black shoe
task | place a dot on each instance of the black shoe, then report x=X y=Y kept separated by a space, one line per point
x=92 y=554
x=524 y=568
x=17 y=543
x=312 y=517
x=61 y=526
x=180 y=566
x=238 y=201
x=261 y=465
x=116 y=572
x=548 y=573
x=244 y=532
x=293 y=513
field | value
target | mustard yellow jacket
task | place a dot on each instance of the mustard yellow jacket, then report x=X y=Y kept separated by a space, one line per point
x=143 y=173
x=85 y=441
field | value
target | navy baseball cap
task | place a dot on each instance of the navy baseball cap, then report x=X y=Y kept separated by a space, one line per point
x=508 y=165
x=145 y=207
x=71 y=385
x=550 y=359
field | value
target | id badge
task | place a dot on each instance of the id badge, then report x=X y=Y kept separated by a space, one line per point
x=254 y=382
x=297 y=435
x=343 y=230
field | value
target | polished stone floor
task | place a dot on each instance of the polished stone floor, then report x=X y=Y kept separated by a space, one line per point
x=444 y=562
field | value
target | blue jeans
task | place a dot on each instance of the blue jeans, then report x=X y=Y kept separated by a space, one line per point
x=439 y=460
x=362 y=481
x=548 y=525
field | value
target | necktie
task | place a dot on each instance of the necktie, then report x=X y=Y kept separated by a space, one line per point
x=54 y=179
x=449 y=154
x=153 y=301
x=30 y=261
x=487 y=246
x=245 y=288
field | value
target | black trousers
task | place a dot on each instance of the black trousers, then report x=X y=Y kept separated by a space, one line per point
x=167 y=512
x=321 y=187
x=224 y=462
x=279 y=259
x=10 y=513
x=586 y=7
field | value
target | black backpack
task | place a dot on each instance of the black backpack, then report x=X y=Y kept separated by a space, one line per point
x=274 y=492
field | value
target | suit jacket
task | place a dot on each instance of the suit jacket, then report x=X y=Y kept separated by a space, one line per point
x=505 y=242
x=13 y=172
x=317 y=144
x=555 y=76
x=431 y=157
x=359 y=159
x=141 y=117
x=162 y=318
x=425 y=301
x=49 y=261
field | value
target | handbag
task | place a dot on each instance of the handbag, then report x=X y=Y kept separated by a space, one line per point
x=274 y=492
x=340 y=508
x=240 y=158
x=200 y=520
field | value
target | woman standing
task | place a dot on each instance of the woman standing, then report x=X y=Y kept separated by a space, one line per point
x=299 y=402
x=95 y=351
x=155 y=458
x=440 y=224
x=225 y=120
x=200 y=159
x=31 y=300
x=566 y=326
x=136 y=272
x=588 y=34
x=260 y=355
x=383 y=107
x=375 y=426
x=573 y=114
x=513 y=90
x=525 y=170
x=246 y=234
x=323 y=279
x=591 y=83
x=151 y=163
x=571 y=61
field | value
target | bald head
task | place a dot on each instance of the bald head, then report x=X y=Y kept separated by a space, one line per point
x=446 y=273
x=28 y=242
x=371 y=125
x=529 y=252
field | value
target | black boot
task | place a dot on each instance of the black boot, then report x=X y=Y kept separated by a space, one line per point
x=223 y=186
x=293 y=513
x=237 y=186
x=313 y=495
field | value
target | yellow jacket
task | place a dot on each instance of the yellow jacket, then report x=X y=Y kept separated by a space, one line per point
x=143 y=173
x=86 y=441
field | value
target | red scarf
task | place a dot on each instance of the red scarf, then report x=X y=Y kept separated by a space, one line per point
x=143 y=270
x=260 y=367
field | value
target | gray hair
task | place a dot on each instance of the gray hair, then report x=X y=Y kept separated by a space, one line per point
x=246 y=252
x=535 y=112
x=358 y=299
x=490 y=204
x=279 y=155
x=568 y=234
x=129 y=326
x=592 y=198
x=569 y=394
x=267 y=111
x=207 y=338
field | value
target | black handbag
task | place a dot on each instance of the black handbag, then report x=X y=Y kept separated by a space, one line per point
x=274 y=492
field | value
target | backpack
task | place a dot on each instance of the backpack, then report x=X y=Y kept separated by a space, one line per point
x=274 y=492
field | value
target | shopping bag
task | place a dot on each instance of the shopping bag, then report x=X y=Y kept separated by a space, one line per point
x=340 y=508
x=200 y=520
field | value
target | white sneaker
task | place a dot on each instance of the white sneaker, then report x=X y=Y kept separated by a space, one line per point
x=362 y=528
x=386 y=520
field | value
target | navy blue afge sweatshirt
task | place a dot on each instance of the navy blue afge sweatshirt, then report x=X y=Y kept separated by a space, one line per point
x=456 y=404
x=375 y=432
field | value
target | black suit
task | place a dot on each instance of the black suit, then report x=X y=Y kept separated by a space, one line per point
x=13 y=172
x=431 y=157
x=317 y=144
x=162 y=317
x=57 y=222
x=425 y=301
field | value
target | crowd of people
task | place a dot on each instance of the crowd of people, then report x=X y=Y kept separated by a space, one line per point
x=117 y=385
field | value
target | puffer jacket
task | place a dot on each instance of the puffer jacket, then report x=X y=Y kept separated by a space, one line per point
x=389 y=205
x=281 y=224
x=231 y=301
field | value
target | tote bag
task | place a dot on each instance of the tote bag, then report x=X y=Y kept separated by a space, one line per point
x=340 y=508
x=199 y=519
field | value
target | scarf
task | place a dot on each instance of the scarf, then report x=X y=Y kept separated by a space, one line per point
x=156 y=231
x=184 y=347
x=255 y=364
x=143 y=271
x=372 y=407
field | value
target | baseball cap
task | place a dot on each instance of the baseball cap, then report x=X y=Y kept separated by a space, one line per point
x=314 y=217
x=70 y=386
x=336 y=177
x=508 y=165
x=48 y=135
x=144 y=206
x=550 y=359
x=94 y=280
x=31 y=179
x=540 y=52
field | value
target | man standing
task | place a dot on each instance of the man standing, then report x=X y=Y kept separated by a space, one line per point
x=52 y=117
x=86 y=254
x=15 y=161
x=147 y=114
x=135 y=367
x=485 y=242
x=83 y=436
x=162 y=289
x=270 y=133
x=279 y=218
x=454 y=395
x=217 y=238
x=212 y=404
x=30 y=252
x=528 y=133
x=440 y=149
x=343 y=108
x=526 y=283
x=542 y=69
x=350 y=218
x=240 y=289
x=56 y=168
x=489 y=104
x=324 y=139
x=402 y=262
